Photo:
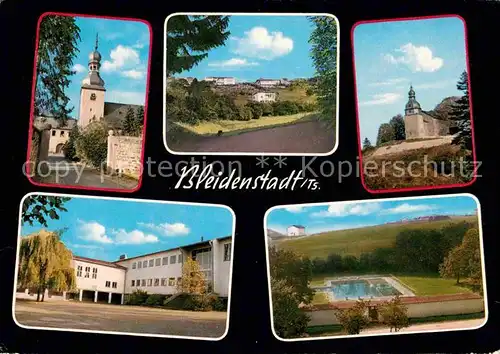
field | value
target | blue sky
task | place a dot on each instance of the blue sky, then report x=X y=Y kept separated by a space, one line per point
x=344 y=215
x=124 y=47
x=105 y=229
x=389 y=56
x=260 y=46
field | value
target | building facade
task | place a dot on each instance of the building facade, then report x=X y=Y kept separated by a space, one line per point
x=264 y=97
x=296 y=230
x=272 y=82
x=420 y=124
x=221 y=80
x=155 y=273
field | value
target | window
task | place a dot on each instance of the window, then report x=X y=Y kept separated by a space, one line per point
x=108 y=284
x=87 y=272
x=150 y=282
x=157 y=282
x=157 y=262
x=62 y=133
x=133 y=282
x=171 y=281
x=94 y=273
x=143 y=282
x=139 y=265
x=151 y=263
x=79 y=271
x=172 y=259
x=138 y=282
x=204 y=257
x=145 y=264
x=134 y=265
x=114 y=285
x=227 y=252
x=53 y=133
x=179 y=281
x=179 y=258
x=163 y=281
x=164 y=261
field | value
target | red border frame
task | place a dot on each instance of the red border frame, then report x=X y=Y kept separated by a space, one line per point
x=411 y=189
x=32 y=108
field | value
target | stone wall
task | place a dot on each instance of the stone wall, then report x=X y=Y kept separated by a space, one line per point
x=418 y=126
x=39 y=149
x=124 y=154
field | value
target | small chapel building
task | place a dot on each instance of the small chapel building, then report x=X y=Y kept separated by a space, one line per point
x=93 y=107
x=420 y=124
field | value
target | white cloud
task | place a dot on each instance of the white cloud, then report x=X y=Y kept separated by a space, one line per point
x=87 y=247
x=128 y=97
x=134 y=237
x=341 y=209
x=166 y=229
x=133 y=74
x=94 y=232
x=388 y=82
x=417 y=59
x=232 y=63
x=262 y=44
x=408 y=208
x=121 y=57
x=294 y=209
x=79 y=68
x=383 y=98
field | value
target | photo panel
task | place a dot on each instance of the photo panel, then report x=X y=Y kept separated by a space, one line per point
x=414 y=109
x=124 y=266
x=89 y=107
x=251 y=84
x=376 y=267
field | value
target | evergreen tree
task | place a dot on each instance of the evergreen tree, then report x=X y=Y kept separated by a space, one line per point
x=139 y=120
x=460 y=114
x=130 y=123
x=324 y=55
x=398 y=127
x=367 y=144
x=385 y=134
x=57 y=47
x=189 y=38
x=69 y=147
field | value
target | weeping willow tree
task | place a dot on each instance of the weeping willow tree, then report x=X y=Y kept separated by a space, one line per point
x=45 y=263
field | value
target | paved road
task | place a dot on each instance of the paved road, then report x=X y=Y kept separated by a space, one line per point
x=305 y=137
x=72 y=174
x=120 y=318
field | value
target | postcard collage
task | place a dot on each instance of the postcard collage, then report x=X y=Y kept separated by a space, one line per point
x=93 y=256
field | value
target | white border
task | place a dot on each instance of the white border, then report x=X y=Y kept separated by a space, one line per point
x=247 y=153
x=372 y=201
x=126 y=200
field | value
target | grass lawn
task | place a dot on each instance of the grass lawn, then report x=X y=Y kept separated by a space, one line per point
x=432 y=285
x=238 y=127
x=357 y=241
x=320 y=298
x=284 y=94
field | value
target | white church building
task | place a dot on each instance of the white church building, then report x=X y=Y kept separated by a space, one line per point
x=155 y=273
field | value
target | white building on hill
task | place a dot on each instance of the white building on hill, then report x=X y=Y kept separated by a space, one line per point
x=264 y=97
x=221 y=80
x=156 y=273
x=296 y=230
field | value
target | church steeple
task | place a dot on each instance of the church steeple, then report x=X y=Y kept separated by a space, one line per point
x=94 y=79
x=412 y=106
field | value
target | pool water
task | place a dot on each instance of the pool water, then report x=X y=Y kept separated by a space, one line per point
x=354 y=289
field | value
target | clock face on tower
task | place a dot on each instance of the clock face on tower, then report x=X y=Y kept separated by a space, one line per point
x=92 y=96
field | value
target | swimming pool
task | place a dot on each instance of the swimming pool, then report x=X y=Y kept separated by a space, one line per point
x=363 y=288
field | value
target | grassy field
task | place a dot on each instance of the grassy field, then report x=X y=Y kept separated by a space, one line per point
x=357 y=241
x=284 y=94
x=431 y=285
x=230 y=127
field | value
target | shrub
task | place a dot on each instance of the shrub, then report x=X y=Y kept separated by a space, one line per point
x=353 y=319
x=69 y=148
x=155 y=300
x=138 y=297
x=267 y=109
x=256 y=108
x=283 y=108
x=394 y=314
x=245 y=113
x=92 y=144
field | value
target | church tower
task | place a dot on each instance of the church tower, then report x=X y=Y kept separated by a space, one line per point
x=92 y=91
x=412 y=106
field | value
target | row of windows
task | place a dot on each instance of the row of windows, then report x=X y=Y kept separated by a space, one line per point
x=79 y=272
x=156 y=282
x=157 y=262
x=111 y=285
x=61 y=133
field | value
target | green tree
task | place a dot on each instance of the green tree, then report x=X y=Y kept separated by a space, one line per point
x=256 y=108
x=355 y=318
x=131 y=125
x=366 y=144
x=37 y=208
x=385 y=134
x=323 y=40
x=394 y=314
x=454 y=264
x=92 y=144
x=69 y=147
x=57 y=48
x=189 y=38
x=397 y=124
x=460 y=114
x=139 y=119
x=45 y=263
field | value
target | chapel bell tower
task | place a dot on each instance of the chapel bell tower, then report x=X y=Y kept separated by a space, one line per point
x=92 y=91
